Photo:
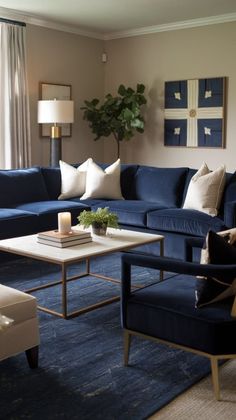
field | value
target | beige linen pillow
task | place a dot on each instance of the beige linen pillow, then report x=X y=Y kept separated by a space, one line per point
x=229 y=234
x=103 y=183
x=73 y=180
x=205 y=190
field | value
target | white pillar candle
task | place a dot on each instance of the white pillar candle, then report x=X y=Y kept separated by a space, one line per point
x=64 y=222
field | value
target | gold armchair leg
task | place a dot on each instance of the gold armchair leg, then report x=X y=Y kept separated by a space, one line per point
x=215 y=377
x=127 y=339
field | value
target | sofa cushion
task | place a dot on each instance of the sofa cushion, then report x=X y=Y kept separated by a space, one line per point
x=130 y=212
x=205 y=190
x=21 y=186
x=167 y=310
x=127 y=179
x=73 y=180
x=216 y=250
x=160 y=185
x=229 y=193
x=47 y=211
x=186 y=221
x=17 y=223
x=103 y=183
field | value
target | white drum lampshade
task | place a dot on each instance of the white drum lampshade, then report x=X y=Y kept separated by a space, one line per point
x=55 y=112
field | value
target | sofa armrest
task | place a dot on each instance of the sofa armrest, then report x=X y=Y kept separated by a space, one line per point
x=191 y=243
x=230 y=214
x=174 y=266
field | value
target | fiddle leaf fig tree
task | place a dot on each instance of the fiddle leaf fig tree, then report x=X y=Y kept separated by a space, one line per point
x=118 y=115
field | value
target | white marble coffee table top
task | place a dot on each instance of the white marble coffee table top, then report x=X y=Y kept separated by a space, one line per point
x=115 y=240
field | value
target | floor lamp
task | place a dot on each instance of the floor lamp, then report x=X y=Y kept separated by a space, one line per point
x=55 y=112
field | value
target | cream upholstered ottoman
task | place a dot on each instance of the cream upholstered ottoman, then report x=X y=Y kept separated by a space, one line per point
x=23 y=333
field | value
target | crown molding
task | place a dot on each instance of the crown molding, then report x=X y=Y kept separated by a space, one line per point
x=33 y=20
x=186 y=24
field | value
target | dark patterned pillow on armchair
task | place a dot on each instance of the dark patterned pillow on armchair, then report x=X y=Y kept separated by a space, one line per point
x=217 y=250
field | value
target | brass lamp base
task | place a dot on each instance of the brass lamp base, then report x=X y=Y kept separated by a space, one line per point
x=55 y=132
x=55 y=146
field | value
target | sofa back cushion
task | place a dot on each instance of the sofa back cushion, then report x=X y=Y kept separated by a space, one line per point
x=230 y=188
x=19 y=186
x=52 y=179
x=127 y=181
x=205 y=190
x=164 y=186
x=229 y=193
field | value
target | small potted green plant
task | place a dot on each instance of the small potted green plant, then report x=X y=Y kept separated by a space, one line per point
x=99 y=220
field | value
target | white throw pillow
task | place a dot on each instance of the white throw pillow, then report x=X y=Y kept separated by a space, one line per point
x=205 y=190
x=103 y=183
x=73 y=180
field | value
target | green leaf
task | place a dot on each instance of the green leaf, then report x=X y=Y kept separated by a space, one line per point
x=137 y=123
x=128 y=100
x=135 y=110
x=140 y=88
x=142 y=100
x=95 y=101
x=88 y=103
x=122 y=90
x=130 y=91
x=127 y=114
x=140 y=130
x=128 y=135
x=110 y=101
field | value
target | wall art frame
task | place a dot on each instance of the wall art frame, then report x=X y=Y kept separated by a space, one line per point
x=195 y=113
x=48 y=91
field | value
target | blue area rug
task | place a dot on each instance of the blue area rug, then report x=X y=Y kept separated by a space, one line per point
x=81 y=373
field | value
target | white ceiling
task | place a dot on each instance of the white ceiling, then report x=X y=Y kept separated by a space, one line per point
x=105 y=18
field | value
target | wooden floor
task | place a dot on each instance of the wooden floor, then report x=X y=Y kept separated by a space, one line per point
x=199 y=403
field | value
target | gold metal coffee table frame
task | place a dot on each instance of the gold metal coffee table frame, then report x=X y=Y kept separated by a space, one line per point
x=116 y=240
x=64 y=280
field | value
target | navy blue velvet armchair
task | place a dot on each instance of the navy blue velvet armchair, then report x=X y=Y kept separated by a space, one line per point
x=166 y=312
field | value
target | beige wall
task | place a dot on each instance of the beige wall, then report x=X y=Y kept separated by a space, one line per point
x=152 y=59
x=59 y=57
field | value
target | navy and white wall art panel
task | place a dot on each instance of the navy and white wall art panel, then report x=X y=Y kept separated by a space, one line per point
x=194 y=112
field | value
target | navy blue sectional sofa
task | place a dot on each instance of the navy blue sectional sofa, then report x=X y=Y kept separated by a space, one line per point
x=152 y=203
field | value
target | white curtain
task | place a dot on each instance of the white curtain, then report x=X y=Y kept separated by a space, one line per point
x=14 y=102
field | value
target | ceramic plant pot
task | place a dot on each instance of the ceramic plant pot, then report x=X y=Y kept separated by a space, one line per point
x=99 y=229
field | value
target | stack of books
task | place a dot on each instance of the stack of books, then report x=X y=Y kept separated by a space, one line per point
x=63 y=240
